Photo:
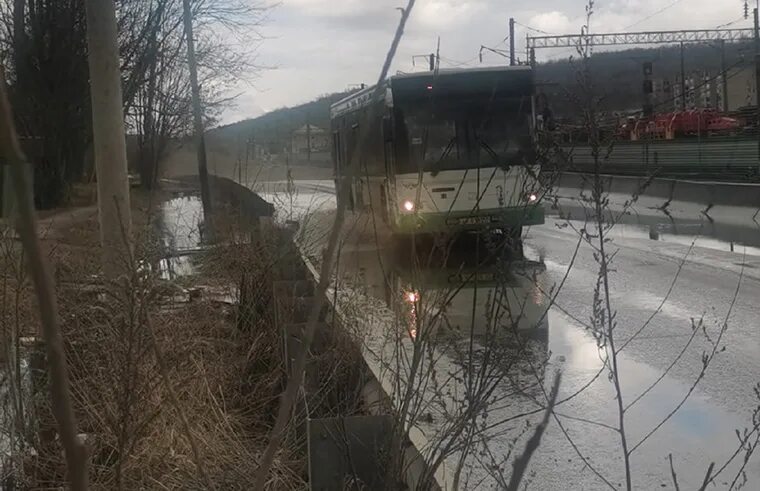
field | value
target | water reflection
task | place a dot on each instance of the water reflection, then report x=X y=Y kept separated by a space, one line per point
x=180 y=225
x=709 y=232
x=472 y=288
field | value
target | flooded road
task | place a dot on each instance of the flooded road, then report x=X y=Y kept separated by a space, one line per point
x=665 y=281
x=700 y=432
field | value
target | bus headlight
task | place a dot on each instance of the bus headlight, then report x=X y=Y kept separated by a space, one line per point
x=408 y=206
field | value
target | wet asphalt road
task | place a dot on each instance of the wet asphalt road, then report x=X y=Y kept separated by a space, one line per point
x=671 y=282
x=678 y=283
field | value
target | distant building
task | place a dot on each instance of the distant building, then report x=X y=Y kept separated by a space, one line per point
x=300 y=144
x=742 y=89
x=703 y=91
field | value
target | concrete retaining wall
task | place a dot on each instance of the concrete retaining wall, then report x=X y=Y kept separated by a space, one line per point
x=237 y=195
x=698 y=192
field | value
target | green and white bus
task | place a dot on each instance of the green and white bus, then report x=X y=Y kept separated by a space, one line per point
x=446 y=151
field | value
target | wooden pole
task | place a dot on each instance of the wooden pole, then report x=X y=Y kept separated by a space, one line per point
x=511 y=42
x=197 y=114
x=756 y=102
x=109 y=136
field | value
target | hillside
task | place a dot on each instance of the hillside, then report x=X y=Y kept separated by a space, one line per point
x=618 y=76
x=617 y=79
x=273 y=130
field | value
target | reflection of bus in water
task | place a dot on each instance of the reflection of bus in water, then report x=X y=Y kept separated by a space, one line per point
x=446 y=150
x=494 y=302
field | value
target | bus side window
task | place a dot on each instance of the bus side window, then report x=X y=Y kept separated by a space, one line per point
x=387 y=129
x=388 y=145
x=336 y=153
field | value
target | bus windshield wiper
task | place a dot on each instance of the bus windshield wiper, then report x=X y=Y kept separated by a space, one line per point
x=488 y=149
x=446 y=151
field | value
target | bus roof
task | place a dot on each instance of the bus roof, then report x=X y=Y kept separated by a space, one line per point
x=354 y=101
x=458 y=71
x=522 y=75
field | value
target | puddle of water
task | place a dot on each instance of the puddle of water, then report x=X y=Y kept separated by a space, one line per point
x=285 y=187
x=700 y=432
x=8 y=394
x=298 y=205
x=181 y=219
x=710 y=235
x=180 y=227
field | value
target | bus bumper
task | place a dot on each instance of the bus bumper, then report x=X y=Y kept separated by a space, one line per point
x=461 y=221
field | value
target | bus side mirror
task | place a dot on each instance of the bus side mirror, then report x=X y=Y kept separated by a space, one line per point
x=387 y=129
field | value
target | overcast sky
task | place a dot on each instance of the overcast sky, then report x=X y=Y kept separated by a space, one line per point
x=315 y=47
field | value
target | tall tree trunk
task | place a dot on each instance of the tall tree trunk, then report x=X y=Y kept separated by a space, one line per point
x=148 y=162
x=197 y=114
x=19 y=57
x=109 y=136
x=19 y=37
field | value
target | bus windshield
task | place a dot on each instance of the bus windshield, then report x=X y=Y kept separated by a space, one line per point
x=441 y=135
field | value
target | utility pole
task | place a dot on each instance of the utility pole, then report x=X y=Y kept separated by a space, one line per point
x=109 y=142
x=648 y=86
x=724 y=75
x=757 y=80
x=197 y=113
x=438 y=56
x=511 y=41
x=308 y=137
x=683 y=82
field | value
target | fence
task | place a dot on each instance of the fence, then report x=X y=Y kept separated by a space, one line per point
x=734 y=159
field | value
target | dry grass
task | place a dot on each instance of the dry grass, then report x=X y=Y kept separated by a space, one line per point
x=226 y=379
x=221 y=350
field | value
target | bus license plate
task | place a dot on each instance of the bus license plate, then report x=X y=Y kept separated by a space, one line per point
x=474 y=220
x=471 y=278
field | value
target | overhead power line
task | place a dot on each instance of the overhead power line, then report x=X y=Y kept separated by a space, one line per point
x=654 y=14
x=728 y=24
x=457 y=63
x=533 y=29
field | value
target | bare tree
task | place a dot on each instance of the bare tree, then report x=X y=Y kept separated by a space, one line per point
x=192 y=63
x=50 y=84
x=46 y=45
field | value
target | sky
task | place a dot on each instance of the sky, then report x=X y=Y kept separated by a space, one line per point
x=316 y=47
